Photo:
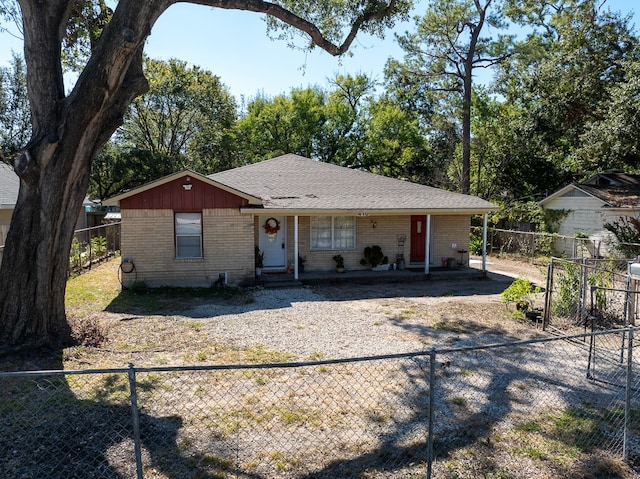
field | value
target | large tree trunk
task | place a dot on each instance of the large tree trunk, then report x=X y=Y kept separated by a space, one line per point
x=54 y=167
x=67 y=133
x=36 y=256
x=465 y=181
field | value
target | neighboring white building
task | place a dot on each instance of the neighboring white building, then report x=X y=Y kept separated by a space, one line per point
x=603 y=198
x=9 y=186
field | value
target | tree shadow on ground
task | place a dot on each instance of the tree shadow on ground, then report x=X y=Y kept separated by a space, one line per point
x=468 y=440
x=74 y=426
x=185 y=301
x=81 y=426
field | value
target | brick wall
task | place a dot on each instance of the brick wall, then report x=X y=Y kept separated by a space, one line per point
x=446 y=230
x=148 y=241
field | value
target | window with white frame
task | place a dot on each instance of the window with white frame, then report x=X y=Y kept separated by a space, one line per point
x=333 y=232
x=188 y=235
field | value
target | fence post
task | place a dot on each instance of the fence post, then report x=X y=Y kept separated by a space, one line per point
x=627 y=399
x=584 y=285
x=432 y=383
x=533 y=247
x=135 y=413
x=547 y=296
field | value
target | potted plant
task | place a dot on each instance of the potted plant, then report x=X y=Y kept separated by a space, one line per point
x=374 y=258
x=339 y=263
x=259 y=258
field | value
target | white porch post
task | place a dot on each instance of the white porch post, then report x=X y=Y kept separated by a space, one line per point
x=295 y=246
x=484 y=244
x=427 y=245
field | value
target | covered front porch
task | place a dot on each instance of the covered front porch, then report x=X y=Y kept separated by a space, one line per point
x=288 y=242
x=410 y=274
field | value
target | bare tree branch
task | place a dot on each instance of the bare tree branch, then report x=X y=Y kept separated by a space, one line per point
x=300 y=23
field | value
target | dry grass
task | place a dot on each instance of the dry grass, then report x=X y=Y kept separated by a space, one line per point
x=347 y=420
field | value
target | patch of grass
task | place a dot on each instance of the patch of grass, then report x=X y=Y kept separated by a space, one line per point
x=99 y=289
x=195 y=325
x=93 y=290
x=406 y=314
x=448 y=325
x=299 y=416
x=262 y=355
x=459 y=401
x=578 y=427
x=201 y=356
x=529 y=426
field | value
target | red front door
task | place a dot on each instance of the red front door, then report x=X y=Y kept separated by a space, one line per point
x=418 y=232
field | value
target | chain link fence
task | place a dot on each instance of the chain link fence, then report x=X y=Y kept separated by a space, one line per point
x=595 y=294
x=538 y=408
x=531 y=244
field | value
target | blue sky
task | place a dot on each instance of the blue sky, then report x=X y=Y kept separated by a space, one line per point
x=234 y=45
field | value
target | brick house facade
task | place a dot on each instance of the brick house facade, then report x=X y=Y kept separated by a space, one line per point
x=190 y=230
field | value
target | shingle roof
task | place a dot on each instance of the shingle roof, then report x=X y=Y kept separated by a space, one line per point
x=618 y=190
x=9 y=186
x=292 y=182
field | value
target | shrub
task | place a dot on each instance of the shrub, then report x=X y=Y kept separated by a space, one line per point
x=522 y=293
x=475 y=244
x=373 y=256
x=98 y=247
x=89 y=332
x=567 y=299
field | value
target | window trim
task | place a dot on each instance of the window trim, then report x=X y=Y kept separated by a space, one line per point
x=333 y=246
x=176 y=235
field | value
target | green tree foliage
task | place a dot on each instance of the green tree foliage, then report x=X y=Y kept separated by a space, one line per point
x=345 y=126
x=285 y=124
x=186 y=117
x=392 y=144
x=15 y=117
x=186 y=120
x=442 y=54
x=613 y=140
x=561 y=83
x=342 y=132
x=71 y=125
x=117 y=169
x=508 y=160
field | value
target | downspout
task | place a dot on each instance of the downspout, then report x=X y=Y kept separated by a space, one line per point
x=427 y=246
x=484 y=244
x=295 y=246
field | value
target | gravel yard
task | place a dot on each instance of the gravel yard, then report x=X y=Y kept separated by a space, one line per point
x=517 y=411
x=372 y=319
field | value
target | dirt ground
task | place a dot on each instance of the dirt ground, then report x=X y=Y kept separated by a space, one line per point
x=328 y=321
x=331 y=321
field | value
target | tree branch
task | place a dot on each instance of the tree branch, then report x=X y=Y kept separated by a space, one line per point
x=300 y=23
x=43 y=32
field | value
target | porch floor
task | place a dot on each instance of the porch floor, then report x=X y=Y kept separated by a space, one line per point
x=410 y=274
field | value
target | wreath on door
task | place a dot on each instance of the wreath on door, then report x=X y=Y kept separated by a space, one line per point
x=272 y=226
